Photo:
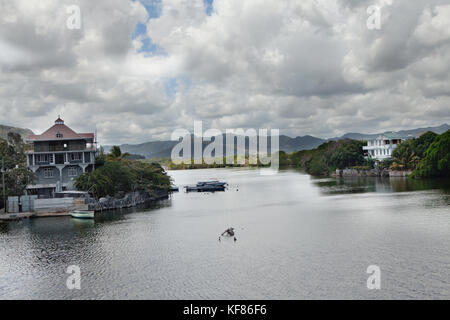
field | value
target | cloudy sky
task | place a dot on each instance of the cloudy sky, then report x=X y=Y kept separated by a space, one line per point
x=136 y=70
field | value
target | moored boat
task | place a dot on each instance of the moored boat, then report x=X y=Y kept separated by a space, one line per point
x=207 y=186
x=211 y=183
x=82 y=214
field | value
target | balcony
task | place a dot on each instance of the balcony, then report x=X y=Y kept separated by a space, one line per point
x=43 y=163
x=56 y=149
x=383 y=146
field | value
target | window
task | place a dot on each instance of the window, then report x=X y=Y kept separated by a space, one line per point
x=59 y=135
x=44 y=158
x=73 y=171
x=75 y=156
x=48 y=173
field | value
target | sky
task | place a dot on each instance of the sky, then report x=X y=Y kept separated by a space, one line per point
x=137 y=70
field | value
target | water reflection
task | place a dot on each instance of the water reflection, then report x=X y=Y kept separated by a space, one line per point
x=349 y=185
x=298 y=237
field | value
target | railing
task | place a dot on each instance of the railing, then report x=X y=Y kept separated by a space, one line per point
x=75 y=161
x=42 y=163
x=383 y=146
x=59 y=148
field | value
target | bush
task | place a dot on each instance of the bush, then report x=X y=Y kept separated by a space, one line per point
x=436 y=161
x=385 y=164
x=123 y=176
x=330 y=156
x=408 y=154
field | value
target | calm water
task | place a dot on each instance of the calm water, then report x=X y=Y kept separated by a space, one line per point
x=298 y=237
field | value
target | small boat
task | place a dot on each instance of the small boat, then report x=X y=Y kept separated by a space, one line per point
x=205 y=188
x=82 y=214
x=211 y=183
x=174 y=189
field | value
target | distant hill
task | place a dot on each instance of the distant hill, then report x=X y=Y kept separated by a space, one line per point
x=413 y=132
x=24 y=133
x=289 y=144
x=153 y=149
x=163 y=149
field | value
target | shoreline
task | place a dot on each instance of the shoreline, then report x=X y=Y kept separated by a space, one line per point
x=115 y=204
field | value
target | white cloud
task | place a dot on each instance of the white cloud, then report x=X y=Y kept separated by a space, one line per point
x=306 y=67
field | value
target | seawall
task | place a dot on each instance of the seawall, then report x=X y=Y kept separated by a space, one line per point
x=370 y=173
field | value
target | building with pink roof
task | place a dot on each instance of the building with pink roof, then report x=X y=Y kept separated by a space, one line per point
x=57 y=157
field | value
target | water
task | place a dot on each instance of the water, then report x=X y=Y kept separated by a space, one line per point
x=297 y=238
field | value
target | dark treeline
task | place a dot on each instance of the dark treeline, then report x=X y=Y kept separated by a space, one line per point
x=426 y=156
x=116 y=174
x=17 y=175
x=327 y=157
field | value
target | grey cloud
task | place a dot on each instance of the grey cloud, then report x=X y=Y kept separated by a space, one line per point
x=309 y=67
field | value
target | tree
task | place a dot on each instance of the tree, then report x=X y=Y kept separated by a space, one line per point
x=405 y=156
x=17 y=179
x=436 y=161
x=116 y=154
x=330 y=156
x=123 y=176
x=17 y=176
x=348 y=154
x=422 y=143
x=408 y=154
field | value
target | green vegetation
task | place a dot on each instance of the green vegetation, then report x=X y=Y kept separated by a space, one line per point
x=427 y=156
x=114 y=174
x=237 y=162
x=17 y=176
x=436 y=159
x=328 y=157
x=385 y=164
x=408 y=154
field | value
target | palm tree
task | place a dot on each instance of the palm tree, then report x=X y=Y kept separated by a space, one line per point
x=116 y=154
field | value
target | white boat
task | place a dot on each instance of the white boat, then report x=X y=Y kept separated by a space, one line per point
x=82 y=214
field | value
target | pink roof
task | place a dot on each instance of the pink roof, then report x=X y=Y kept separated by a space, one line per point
x=60 y=128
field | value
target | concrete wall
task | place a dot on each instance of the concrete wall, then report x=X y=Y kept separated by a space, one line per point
x=55 y=204
x=56 y=178
x=40 y=176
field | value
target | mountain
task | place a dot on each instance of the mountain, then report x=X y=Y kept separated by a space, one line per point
x=153 y=149
x=413 y=132
x=289 y=144
x=24 y=133
x=163 y=149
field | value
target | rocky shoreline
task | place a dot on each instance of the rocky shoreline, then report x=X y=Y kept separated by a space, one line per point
x=129 y=200
x=370 y=173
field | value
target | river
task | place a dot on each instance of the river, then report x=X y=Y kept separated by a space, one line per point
x=298 y=237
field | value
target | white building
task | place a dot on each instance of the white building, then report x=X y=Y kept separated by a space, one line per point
x=382 y=147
